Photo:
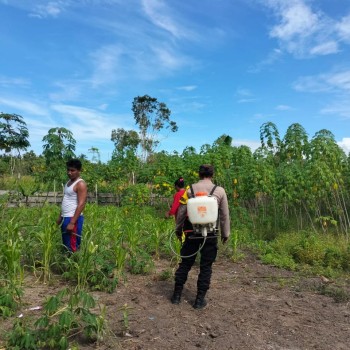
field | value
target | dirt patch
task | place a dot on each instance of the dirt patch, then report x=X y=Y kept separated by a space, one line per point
x=250 y=306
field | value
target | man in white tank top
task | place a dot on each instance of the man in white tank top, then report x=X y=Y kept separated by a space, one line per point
x=71 y=216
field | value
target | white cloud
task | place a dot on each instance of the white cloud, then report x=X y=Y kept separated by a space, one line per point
x=28 y=107
x=272 y=57
x=6 y=81
x=334 y=81
x=340 y=80
x=187 y=87
x=50 y=9
x=246 y=100
x=245 y=96
x=169 y=59
x=244 y=92
x=89 y=124
x=252 y=144
x=297 y=19
x=325 y=48
x=341 y=108
x=116 y=63
x=103 y=106
x=283 y=108
x=345 y=144
x=304 y=31
x=343 y=28
x=107 y=64
x=160 y=15
x=68 y=91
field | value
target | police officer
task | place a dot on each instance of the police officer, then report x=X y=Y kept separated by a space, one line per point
x=192 y=244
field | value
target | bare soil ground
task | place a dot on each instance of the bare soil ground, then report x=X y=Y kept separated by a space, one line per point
x=250 y=306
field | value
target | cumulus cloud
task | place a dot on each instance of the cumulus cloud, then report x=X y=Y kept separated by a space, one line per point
x=50 y=9
x=23 y=106
x=343 y=28
x=345 y=144
x=333 y=81
x=303 y=30
x=88 y=123
x=296 y=19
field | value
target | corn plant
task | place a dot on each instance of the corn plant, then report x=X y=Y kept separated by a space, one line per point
x=11 y=245
x=81 y=262
x=46 y=235
x=125 y=309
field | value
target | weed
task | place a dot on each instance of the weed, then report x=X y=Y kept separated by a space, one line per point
x=338 y=294
x=165 y=275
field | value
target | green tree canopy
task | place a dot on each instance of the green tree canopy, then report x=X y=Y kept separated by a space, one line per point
x=151 y=117
x=13 y=133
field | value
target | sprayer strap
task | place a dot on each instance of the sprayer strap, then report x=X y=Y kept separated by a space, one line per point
x=192 y=192
x=212 y=191
x=210 y=194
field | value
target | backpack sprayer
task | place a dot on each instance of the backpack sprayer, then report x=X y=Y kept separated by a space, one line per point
x=202 y=211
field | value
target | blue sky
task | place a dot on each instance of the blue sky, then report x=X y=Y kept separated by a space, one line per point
x=221 y=67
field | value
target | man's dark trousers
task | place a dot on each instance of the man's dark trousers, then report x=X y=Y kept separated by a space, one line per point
x=208 y=255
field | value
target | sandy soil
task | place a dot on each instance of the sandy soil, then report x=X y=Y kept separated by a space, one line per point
x=250 y=306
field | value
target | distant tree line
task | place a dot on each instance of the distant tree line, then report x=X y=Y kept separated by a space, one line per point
x=289 y=182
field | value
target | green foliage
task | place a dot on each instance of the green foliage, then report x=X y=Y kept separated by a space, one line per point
x=11 y=245
x=318 y=253
x=46 y=242
x=13 y=132
x=67 y=313
x=151 y=117
x=135 y=195
x=141 y=263
x=10 y=298
x=59 y=147
x=91 y=266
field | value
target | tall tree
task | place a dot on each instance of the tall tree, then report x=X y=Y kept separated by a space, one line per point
x=124 y=157
x=125 y=141
x=13 y=135
x=270 y=141
x=295 y=145
x=151 y=117
x=59 y=146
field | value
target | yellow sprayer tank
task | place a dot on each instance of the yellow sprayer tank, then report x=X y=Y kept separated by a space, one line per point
x=202 y=210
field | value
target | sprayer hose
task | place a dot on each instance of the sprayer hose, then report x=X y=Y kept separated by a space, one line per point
x=185 y=256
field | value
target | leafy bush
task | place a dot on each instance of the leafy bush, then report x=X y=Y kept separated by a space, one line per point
x=139 y=194
x=322 y=253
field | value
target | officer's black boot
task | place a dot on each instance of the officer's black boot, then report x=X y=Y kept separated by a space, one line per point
x=176 y=298
x=200 y=302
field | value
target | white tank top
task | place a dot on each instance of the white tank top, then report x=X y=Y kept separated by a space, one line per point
x=70 y=200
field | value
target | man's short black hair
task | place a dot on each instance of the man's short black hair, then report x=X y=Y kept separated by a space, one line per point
x=74 y=163
x=206 y=170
